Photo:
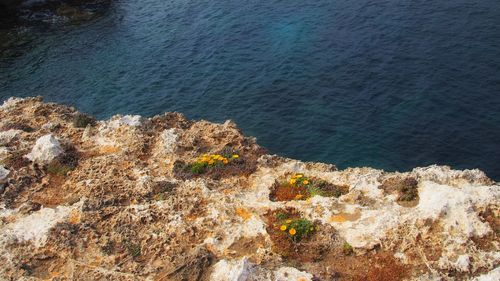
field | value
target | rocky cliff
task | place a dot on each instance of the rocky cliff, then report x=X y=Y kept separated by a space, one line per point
x=165 y=198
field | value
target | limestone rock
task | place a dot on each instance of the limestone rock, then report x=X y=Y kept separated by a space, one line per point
x=225 y=270
x=127 y=120
x=46 y=148
x=290 y=273
x=8 y=136
x=169 y=138
x=3 y=173
x=142 y=214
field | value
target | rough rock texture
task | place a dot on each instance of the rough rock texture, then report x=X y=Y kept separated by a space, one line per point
x=45 y=149
x=115 y=206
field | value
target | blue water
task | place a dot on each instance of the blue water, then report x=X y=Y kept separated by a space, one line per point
x=390 y=84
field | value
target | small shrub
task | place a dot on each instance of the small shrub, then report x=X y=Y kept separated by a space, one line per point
x=296 y=238
x=134 y=250
x=57 y=168
x=64 y=163
x=347 y=249
x=81 y=120
x=300 y=187
x=296 y=228
x=227 y=162
x=406 y=188
x=208 y=161
x=281 y=216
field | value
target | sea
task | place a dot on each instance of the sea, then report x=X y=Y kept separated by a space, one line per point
x=389 y=84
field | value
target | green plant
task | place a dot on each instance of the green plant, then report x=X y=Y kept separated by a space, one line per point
x=134 y=250
x=64 y=163
x=297 y=228
x=207 y=161
x=302 y=187
x=347 y=249
x=57 y=168
x=313 y=191
x=281 y=216
x=198 y=168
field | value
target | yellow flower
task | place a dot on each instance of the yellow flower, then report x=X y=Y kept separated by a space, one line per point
x=225 y=161
x=292 y=231
x=299 y=176
x=293 y=181
x=305 y=182
x=283 y=227
x=298 y=196
x=211 y=162
x=288 y=221
x=236 y=156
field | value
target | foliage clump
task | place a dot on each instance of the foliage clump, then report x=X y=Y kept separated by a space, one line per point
x=224 y=163
x=81 y=120
x=297 y=228
x=406 y=188
x=208 y=161
x=300 y=187
x=347 y=249
x=64 y=163
x=134 y=249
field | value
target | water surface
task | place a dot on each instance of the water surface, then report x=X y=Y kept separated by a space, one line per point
x=389 y=84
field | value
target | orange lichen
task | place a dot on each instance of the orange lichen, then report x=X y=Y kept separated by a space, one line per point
x=243 y=213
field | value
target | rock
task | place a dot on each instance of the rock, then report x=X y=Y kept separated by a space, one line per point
x=290 y=273
x=493 y=275
x=463 y=263
x=8 y=136
x=127 y=120
x=3 y=174
x=45 y=150
x=11 y=102
x=36 y=226
x=237 y=270
x=145 y=216
x=169 y=138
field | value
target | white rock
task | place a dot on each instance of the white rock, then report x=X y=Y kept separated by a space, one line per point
x=46 y=148
x=236 y=270
x=456 y=207
x=463 y=262
x=290 y=273
x=7 y=136
x=36 y=226
x=3 y=173
x=49 y=126
x=10 y=102
x=370 y=228
x=493 y=275
x=127 y=120
x=169 y=138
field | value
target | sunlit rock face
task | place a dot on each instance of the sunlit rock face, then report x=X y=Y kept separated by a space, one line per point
x=123 y=199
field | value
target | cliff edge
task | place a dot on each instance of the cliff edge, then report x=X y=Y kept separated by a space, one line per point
x=166 y=198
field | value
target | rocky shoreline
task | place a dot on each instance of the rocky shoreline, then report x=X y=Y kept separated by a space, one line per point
x=166 y=198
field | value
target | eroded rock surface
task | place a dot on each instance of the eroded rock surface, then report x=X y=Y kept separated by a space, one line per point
x=113 y=200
